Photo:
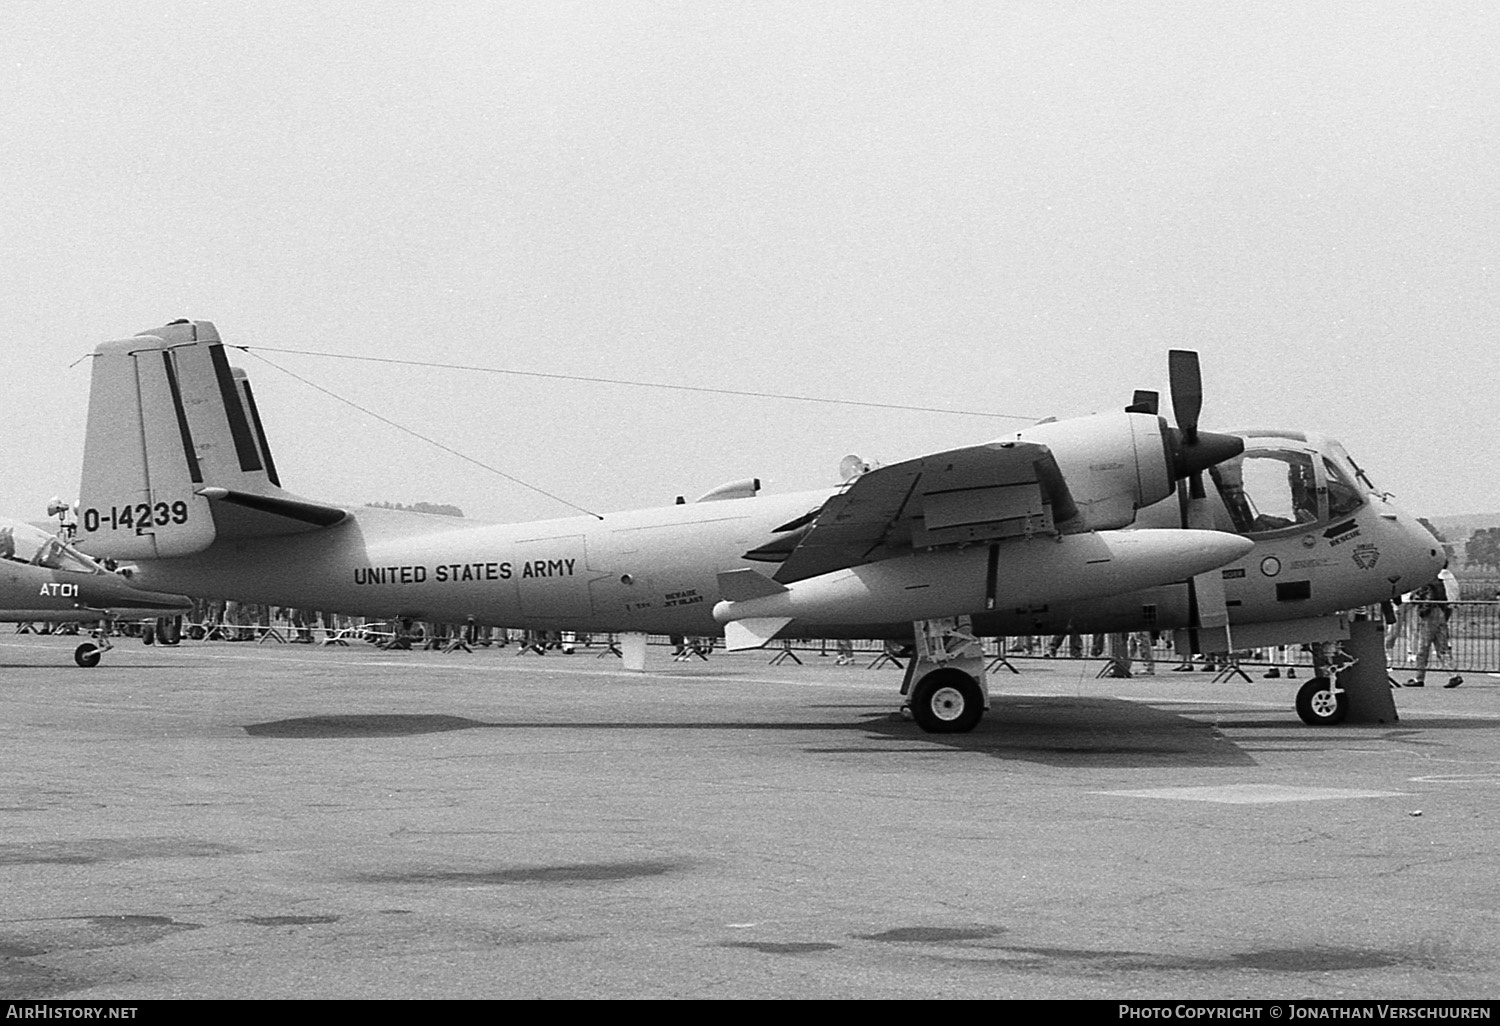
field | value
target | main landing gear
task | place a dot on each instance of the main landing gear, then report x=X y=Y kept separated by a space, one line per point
x=945 y=684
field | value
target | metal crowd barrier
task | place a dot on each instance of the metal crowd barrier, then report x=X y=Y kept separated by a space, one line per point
x=1473 y=634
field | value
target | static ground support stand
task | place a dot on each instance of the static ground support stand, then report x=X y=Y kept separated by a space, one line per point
x=1356 y=690
x=633 y=650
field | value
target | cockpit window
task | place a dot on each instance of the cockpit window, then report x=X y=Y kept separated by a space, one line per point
x=1268 y=489
x=1343 y=497
x=22 y=543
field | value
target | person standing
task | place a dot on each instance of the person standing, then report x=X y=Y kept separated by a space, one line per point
x=1434 y=608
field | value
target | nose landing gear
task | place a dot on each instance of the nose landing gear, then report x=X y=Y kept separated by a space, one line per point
x=89 y=653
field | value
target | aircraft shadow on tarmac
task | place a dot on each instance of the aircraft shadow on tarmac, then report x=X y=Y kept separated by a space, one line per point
x=1077 y=732
x=1069 y=732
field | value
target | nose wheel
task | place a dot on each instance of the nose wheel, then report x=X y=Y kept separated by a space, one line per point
x=89 y=653
x=1321 y=704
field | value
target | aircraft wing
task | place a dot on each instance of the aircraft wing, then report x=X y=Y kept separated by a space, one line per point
x=975 y=494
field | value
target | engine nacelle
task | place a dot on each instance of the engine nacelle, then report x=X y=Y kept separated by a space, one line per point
x=1113 y=463
x=1117 y=463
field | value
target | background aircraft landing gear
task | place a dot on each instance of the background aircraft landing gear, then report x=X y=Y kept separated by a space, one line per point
x=1320 y=703
x=947 y=701
x=89 y=652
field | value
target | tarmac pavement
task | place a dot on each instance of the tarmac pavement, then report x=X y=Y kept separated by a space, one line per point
x=225 y=820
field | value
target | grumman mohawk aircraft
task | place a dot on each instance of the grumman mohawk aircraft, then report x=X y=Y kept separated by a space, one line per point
x=178 y=478
x=45 y=580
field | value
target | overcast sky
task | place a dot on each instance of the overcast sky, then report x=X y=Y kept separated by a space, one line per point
x=1012 y=208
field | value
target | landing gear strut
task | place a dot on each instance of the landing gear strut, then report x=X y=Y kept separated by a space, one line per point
x=945 y=684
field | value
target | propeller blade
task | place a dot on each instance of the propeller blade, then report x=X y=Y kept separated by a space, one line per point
x=1211 y=615
x=1193 y=451
x=1208 y=611
x=1187 y=391
x=1198 y=515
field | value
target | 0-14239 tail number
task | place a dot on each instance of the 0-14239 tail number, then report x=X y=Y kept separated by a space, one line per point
x=137 y=517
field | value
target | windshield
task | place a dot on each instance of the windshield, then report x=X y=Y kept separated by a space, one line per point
x=22 y=543
x=1343 y=497
x=1341 y=455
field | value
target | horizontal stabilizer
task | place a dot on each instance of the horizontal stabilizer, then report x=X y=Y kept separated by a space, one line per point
x=740 y=635
x=279 y=505
x=741 y=585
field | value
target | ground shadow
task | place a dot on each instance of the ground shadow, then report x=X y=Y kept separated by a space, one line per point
x=1053 y=731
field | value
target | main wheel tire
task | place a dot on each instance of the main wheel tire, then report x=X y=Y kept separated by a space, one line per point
x=87 y=655
x=947 y=702
x=1319 y=705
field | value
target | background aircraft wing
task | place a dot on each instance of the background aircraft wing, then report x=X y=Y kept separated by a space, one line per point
x=974 y=494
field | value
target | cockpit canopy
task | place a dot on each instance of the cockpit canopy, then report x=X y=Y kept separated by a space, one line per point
x=1282 y=483
x=22 y=543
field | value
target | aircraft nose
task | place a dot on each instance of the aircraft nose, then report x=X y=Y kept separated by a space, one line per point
x=1437 y=557
x=1422 y=556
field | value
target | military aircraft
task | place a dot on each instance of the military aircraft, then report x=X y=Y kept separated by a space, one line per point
x=1326 y=541
x=43 y=579
x=179 y=479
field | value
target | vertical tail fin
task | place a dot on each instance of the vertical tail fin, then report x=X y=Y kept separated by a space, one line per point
x=176 y=455
x=141 y=470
